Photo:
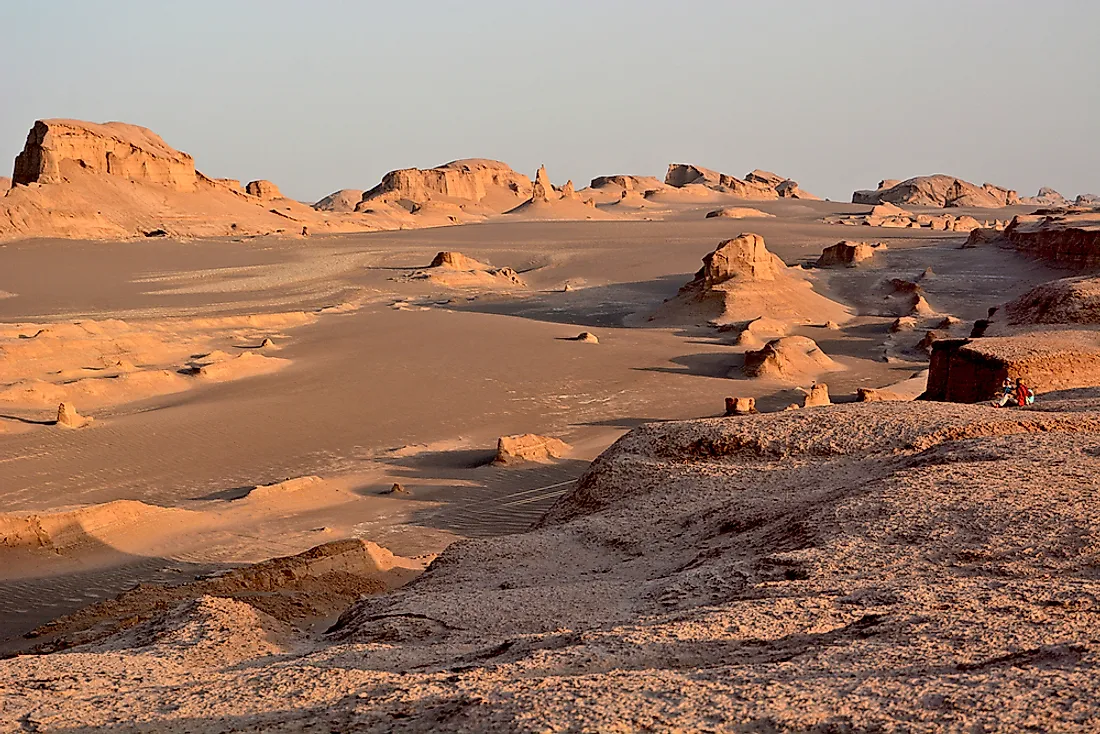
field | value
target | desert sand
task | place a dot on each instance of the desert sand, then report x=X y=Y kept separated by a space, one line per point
x=449 y=452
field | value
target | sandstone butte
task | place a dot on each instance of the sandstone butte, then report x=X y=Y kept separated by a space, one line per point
x=756 y=184
x=939 y=191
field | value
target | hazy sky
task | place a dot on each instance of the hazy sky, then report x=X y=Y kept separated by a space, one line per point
x=328 y=94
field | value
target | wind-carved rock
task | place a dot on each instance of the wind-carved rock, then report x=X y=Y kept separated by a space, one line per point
x=56 y=149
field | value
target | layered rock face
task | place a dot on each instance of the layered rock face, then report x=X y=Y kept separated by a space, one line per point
x=56 y=147
x=628 y=183
x=476 y=180
x=939 y=191
x=756 y=184
x=971 y=370
x=1070 y=240
x=744 y=256
x=263 y=189
x=529 y=447
x=848 y=254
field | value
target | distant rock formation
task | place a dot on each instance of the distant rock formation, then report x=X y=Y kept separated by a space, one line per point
x=232 y=184
x=737 y=212
x=343 y=200
x=490 y=183
x=1087 y=200
x=939 y=191
x=628 y=183
x=1046 y=197
x=848 y=254
x=263 y=189
x=543 y=190
x=683 y=174
x=528 y=447
x=788 y=358
x=56 y=147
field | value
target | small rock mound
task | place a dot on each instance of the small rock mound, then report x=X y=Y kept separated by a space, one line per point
x=741 y=406
x=817 y=395
x=528 y=447
x=263 y=189
x=788 y=358
x=67 y=417
x=587 y=337
x=848 y=254
x=456 y=261
x=737 y=212
x=344 y=200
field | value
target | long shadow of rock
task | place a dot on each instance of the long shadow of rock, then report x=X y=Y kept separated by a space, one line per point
x=482 y=500
x=598 y=306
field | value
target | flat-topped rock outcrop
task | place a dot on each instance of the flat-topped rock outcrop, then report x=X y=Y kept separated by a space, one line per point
x=1071 y=240
x=849 y=254
x=971 y=370
x=939 y=191
x=490 y=183
x=55 y=148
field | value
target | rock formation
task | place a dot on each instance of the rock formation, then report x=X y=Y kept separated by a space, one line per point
x=817 y=395
x=456 y=261
x=344 y=200
x=848 y=254
x=741 y=281
x=741 y=406
x=906 y=298
x=67 y=417
x=737 y=212
x=529 y=447
x=788 y=358
x=1069 y=240
x=1087 y=200
x=54 y=148
x=760 y=185
x=1064 y=301
x=1046 y=197
x=490 y=183
x=588 y=337
x=543 y=190
x=939 y=191
x=263 y=189
x=971 y=370
x=628 y=183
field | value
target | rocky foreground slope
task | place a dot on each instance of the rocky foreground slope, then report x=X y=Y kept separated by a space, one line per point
x=880 y=567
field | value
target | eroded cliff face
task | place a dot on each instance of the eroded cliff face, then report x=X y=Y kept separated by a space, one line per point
x=57 y=147
x=939 y=191
x=491 y=183
x=1071 y=240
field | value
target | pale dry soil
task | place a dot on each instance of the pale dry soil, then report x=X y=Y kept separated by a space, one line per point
x=380 y=379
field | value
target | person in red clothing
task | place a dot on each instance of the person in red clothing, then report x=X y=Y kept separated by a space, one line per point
x=1024 y=395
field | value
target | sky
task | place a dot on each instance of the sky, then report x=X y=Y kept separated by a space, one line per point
x=326 y=94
